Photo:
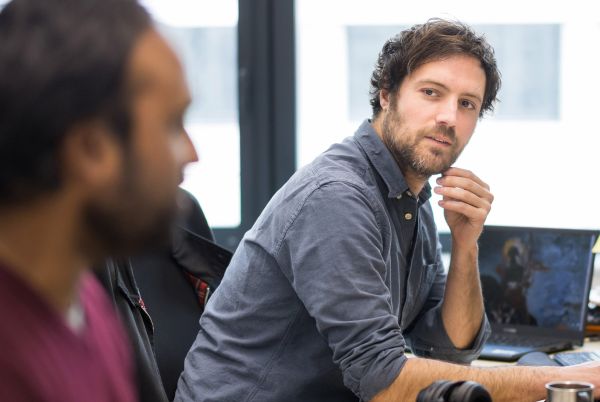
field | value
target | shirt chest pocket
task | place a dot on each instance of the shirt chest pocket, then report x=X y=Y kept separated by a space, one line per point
x=420 y=282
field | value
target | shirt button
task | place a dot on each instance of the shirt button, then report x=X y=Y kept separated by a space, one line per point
x=409 y=193
x=408 y=216
x=399 y=197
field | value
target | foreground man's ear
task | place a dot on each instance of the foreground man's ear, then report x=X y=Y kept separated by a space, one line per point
x=91 y=154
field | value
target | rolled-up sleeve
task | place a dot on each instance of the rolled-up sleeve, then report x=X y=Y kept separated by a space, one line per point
x=333 y=256
x=427 y=336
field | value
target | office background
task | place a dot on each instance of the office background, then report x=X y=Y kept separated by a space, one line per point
x=275 y=82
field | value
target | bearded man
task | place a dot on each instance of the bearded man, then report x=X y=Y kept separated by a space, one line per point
x=92 y=149
x=342 y=271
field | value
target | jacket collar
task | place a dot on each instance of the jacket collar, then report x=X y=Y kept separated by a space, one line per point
x=199 y=255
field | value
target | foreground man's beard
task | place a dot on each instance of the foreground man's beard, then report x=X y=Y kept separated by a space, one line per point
x=127 y=222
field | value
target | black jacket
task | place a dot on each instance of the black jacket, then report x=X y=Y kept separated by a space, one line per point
x=159 y=306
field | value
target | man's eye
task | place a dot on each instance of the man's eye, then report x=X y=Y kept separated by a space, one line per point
x=429 y=92
x=467 y=104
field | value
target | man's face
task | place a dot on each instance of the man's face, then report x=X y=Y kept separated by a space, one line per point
x=138 y=206
x=431 y=118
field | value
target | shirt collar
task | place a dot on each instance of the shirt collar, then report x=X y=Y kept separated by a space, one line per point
x=384 y=162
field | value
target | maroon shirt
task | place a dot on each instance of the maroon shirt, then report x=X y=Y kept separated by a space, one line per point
x=43 y=360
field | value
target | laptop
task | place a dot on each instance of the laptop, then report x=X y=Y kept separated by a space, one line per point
x=536 y=284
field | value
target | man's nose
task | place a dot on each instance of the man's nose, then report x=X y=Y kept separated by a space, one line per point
x=189 y=150
x=446 y=114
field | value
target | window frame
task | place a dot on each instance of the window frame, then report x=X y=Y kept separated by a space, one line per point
x=266 y=106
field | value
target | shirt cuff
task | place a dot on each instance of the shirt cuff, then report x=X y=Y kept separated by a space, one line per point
x=444 y=349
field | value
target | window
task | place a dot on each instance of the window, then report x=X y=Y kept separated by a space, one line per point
x=528 y=57
x=205 y=36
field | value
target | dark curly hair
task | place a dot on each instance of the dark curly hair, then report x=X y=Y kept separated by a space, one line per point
x=435 y=40
x=61 y=62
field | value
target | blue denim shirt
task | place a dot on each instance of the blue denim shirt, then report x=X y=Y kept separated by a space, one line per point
x=321 y=299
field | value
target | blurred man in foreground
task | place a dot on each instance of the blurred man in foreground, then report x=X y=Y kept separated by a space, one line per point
x=92 y=148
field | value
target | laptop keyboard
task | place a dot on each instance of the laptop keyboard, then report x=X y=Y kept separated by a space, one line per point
x=519 y=340
x=572 y=358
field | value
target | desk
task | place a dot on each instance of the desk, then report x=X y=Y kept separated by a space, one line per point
x=588 y=346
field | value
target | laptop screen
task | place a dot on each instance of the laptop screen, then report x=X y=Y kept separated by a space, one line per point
x=536 y=277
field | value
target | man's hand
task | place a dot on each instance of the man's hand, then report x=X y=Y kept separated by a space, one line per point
x=467 y=201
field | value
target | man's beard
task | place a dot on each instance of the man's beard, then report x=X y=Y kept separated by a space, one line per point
x=403 y=147
x=125 y=221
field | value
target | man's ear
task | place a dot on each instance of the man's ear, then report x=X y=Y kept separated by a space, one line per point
x=384 y=99
x=91 y=154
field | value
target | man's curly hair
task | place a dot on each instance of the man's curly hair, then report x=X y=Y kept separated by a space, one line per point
x=437 y=39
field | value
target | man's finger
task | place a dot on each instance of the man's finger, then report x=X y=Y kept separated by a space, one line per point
x=466 y=184
x=458 y=172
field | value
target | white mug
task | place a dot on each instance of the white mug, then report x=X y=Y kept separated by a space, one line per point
x=570 y=391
